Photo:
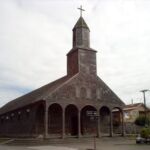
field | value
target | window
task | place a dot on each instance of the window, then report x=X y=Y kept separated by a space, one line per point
x=19 y=115
x=83 y=93
x=28 y=112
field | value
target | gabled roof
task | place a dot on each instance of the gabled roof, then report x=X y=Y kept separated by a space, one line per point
x=134 y=106
x=33 y=96
x=81 y=23
x=114 y=94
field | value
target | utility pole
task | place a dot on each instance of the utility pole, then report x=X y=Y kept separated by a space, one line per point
x=144 y=91
x=132 y=101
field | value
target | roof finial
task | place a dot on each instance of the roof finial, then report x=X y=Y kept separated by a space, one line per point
x=81 y=10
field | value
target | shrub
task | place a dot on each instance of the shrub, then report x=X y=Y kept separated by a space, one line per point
x=145 y=133
x=142 y=121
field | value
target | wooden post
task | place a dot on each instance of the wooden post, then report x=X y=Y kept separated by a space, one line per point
x=123 y=125
x=111 y=124
x=63 y=124
x=98 y=127
x=79 y=124
x=46 y=122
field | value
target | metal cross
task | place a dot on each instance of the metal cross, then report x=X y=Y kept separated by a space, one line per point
x=81 y=10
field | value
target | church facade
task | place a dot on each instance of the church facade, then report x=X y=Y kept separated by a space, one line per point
x=64 y=108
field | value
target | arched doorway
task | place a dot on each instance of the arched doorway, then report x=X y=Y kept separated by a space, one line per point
x=39 y=121
x=117 y=120
x=105 y=121
x=55 y=119
x=71 y=120
x=88 y=124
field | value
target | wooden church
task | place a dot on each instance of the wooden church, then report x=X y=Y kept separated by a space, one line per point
x=63 y=108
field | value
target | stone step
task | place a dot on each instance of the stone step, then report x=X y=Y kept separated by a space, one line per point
x=41 y=141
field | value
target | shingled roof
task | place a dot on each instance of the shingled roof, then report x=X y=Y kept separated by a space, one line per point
x=80 y=23
x=33 y=96
x=134 y=106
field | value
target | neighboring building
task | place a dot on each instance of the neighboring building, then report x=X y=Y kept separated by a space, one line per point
x=132 y=111
x=61 y=108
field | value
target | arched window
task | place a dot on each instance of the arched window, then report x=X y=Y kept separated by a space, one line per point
x=83 y=93
x=99 y=93
x=94 y=93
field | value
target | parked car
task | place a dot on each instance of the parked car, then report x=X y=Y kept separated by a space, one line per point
x=140 y=140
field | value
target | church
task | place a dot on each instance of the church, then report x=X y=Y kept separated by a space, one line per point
x=78 y=104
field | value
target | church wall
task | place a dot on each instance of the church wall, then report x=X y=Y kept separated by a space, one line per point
x=87 y=62
x=83 y=90
x=19 y=123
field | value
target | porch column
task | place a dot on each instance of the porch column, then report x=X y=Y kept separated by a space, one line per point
x=46 y=122
x=63 y=124
x=98 y=126
x=79 y=124
x=123 y=124
x=111 y=124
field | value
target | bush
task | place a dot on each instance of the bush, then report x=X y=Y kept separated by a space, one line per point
x=145 y=133
x=142 y=121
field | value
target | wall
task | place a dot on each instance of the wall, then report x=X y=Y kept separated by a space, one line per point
x=19 y=123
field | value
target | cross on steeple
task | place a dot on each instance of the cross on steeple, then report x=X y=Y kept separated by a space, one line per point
x=81 y=10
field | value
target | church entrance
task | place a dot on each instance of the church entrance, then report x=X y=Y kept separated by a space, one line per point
x=88 y=124
x=55 y=120
x=71 y=120
x=105 y=121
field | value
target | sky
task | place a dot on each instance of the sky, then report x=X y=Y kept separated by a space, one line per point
x=35 y=36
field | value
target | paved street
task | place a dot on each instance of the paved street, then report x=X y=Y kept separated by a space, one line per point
x=84 y=144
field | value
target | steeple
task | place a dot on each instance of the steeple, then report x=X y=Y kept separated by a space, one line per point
x=81 y=58
x=81 y=34
x=80 y=23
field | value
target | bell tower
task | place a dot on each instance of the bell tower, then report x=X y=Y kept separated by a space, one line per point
x=81 y=34
x=81 y=58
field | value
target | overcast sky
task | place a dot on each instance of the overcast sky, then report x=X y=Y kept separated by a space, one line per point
x=35 y=36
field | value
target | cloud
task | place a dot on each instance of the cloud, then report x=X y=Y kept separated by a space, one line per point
x=35 y=36
x=122 y=33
